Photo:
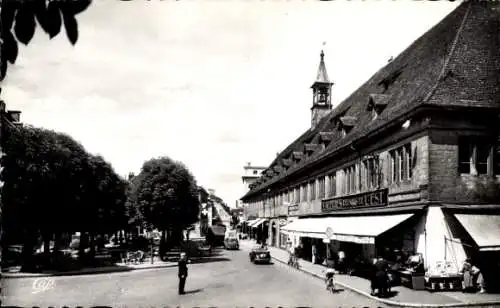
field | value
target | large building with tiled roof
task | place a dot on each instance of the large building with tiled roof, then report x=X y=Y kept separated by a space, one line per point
x=409 y=161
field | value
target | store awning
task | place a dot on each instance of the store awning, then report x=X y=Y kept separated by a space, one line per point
x=355 y=229
x=307 y=227
x=250 y=222
x=484 y=229
x=253 y=222
x=363 y=229
x=258 y=222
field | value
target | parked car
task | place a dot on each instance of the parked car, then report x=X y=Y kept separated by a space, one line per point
x=231 y=240
x=260 y=254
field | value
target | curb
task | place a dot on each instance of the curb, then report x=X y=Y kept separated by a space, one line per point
x=80 y=273
x=399 y=304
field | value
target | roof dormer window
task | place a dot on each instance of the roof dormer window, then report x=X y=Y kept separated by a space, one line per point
x=377 y=104
x=287 y=162
x=325 y=138
x=310 y=148
x=346 y=124
x=297 y=156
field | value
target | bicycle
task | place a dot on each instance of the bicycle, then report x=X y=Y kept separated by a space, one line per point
x=330 y=283
x=294 y=262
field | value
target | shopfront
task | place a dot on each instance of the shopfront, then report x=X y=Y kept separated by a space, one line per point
x=354 y=234
x=479 y=234
x=259 y=229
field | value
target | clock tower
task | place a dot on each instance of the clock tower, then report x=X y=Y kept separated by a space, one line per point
x=322 y=89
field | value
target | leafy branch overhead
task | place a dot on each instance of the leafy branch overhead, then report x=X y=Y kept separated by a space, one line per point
x=19 y=20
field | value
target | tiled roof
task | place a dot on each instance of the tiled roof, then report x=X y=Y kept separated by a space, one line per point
x=456 y=63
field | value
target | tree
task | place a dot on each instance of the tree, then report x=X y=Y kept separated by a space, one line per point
x=38 y=187
x=103 y=210
x=166 y=197
x=54 y=187
x=20 y=17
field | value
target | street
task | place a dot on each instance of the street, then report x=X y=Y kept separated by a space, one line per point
x=228 y=281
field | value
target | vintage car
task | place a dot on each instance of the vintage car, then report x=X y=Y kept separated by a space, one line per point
x=231 y=240
x=260 y=254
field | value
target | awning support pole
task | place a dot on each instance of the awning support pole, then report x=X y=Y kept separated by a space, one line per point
x=445 y=242
x=459 y=242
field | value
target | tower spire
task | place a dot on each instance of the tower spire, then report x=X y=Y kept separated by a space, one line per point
x=322 y=75
x=322 y=88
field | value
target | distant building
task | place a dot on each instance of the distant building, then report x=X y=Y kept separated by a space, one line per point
x=250 y=176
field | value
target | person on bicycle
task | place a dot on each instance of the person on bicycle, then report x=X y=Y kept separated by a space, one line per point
x=329 y=274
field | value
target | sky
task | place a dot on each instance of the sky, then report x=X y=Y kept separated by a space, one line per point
x=213 y=84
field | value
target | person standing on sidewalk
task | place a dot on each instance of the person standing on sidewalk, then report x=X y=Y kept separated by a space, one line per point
x=342 y=268
x=314 y=254
x=183 y=272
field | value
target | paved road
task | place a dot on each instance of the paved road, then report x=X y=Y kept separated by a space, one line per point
x=230 y=281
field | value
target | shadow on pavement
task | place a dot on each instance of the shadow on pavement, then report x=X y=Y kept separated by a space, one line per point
x=209 y=259
x=75 y=271
x=193 y=291
x=390 y=294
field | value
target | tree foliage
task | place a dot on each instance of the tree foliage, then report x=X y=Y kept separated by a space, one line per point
x=19 y=20
x=164 y=194
x=53 y=186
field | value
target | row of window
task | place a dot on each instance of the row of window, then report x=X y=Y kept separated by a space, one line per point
x=476 y=156
x=354 y=179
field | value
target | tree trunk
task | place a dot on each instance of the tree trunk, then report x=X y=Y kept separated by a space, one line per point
x=81 y=247
x=92 y=244
x=163 y=244
x=27 y=252
x=57 y=241
x=46 y=237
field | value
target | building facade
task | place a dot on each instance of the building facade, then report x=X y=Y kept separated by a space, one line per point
x=250 y=175
x=410 y=161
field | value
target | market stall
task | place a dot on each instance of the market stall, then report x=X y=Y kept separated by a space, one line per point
x=443 y=276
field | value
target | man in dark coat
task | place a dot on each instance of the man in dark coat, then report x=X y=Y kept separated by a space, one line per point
x=183 y=272
x=381 y=278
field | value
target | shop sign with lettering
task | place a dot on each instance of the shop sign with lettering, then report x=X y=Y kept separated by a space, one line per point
x=293 y=209
x=369 y=199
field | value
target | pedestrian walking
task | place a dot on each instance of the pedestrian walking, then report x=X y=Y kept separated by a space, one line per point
x=183 y=272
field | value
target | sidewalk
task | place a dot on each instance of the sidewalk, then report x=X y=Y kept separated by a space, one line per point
x=405 y=297
x=118 y=267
